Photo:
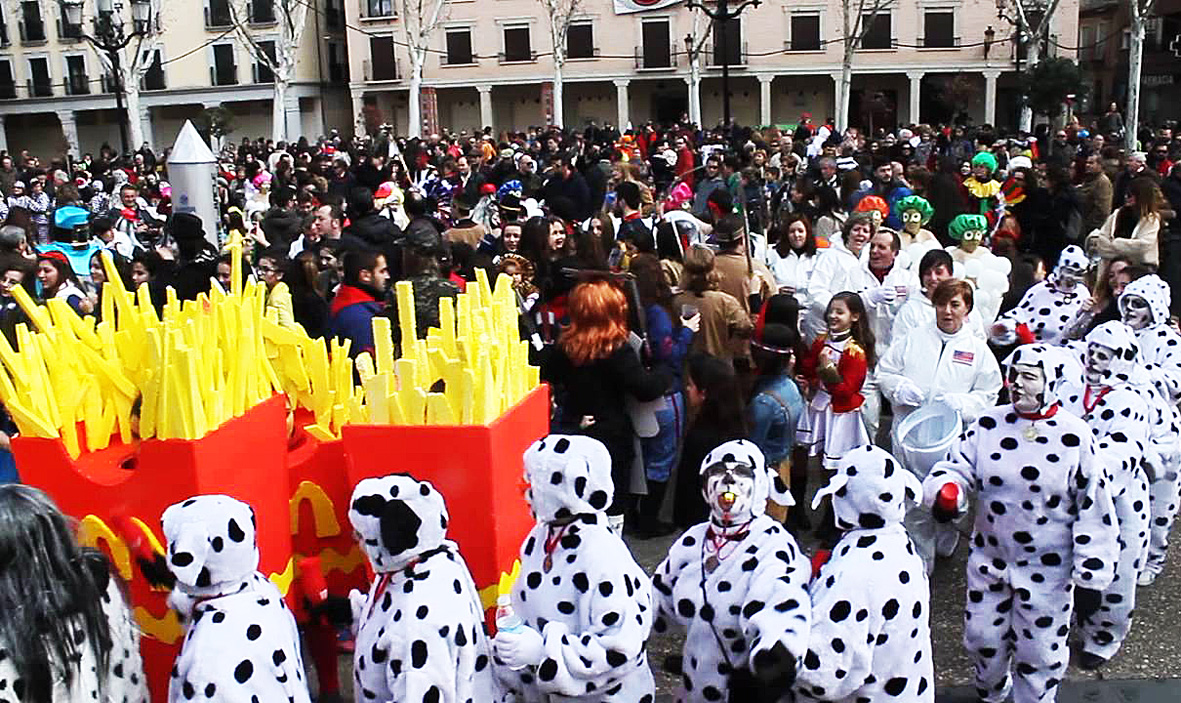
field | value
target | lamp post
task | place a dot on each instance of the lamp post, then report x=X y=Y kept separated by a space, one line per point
x=721 y=12
x=989 y=38
x=111 y=37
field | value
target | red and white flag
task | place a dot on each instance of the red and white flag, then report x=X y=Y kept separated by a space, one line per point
x=624 y=7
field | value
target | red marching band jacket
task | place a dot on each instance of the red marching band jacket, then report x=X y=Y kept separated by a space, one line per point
x=853 y=366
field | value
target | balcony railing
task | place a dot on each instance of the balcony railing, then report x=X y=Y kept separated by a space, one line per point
x=261 y=73
x=77 y=84
x=4 y=34
x=738 y=59
x=803 y=45
x=8 y=90
x=377 y=9
x=370 y=75
x=939 y=43
x=223 y=75
x=516 y=58
x=262 y=13
x=32 y=32
x=154 y=80
x=217 y=18
x=594 y=54
x=40 y=89
x=67 y=32
x=658 y=61
x=338 y=72
x=893 y=44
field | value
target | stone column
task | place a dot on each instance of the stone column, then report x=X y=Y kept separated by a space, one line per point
x=486 y=106
x=916 y=85
x=765 y=99
x=358 y=100
x=69 y=124
x=145 y=126
x=622 y=108
x=3 y=135
x=990 y=96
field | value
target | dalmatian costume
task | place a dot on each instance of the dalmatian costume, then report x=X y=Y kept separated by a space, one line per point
x=585 y=603
x=1120 y=418
x=870 y=639
x=737 y=584
x=242 y=643
x=1160 y=352
x=1047 y=308
x=420 y=628
x=1044 y=526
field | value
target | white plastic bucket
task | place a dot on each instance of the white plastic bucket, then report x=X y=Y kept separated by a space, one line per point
x=925 y=436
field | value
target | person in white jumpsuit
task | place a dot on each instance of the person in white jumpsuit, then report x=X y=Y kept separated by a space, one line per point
x=918 y=311
x=942 y=360
x=831 y=266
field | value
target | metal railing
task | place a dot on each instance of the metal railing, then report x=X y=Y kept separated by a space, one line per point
x=809 y=44
x=661 y=62
x=503 y=57
x=40 y=89
x=32 y=32
x=228 y=75
x=369 y=75
x=261 y=73
x=8 y=90
x=892 y=44
x=739 y=57
x=77 y=84
x=217 y=18
x=939 y=43
x=67 y=32
x=594 y=54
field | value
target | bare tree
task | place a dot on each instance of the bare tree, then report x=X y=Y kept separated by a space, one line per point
x=280 y=56
x=420 y=19
x=561 y=13
x=1033 y=33
x=1139 y=11
x=857 y=17
x=698 y=35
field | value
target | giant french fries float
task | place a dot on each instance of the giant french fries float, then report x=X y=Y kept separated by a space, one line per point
x=122 y=418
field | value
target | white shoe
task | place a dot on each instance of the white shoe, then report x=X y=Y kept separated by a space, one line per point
x=615 y=524
x=1146 y=578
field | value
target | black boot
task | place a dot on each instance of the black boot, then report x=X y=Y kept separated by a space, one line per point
x=649 y=523
x=797 y=515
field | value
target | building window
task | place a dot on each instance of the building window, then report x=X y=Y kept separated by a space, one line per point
x=262 y=11
x=217 y=13
x=727 y=43
x=225 y=67
x=516 y=44
x=32 y=26
x=805 y=32
x=657 y=51
x=154 y=76
x=338 y=67
x=383 y=65
x=40 y=83
x=77 y=82
x=377 y=8
x=7 y=82
x=580 y=41
x=939 y=29
x=263 y=72
x=459 y=46
x=877 y=33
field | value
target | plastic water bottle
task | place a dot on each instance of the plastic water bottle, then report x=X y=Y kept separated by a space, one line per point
x=507 y=619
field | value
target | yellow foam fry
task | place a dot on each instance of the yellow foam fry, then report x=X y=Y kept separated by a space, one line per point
x=407 y=319
x=357 y=411
x=364 y=366
x=321 y=433
x=69 y=429
x=383 y=343
x=505 y=583
x=485 y=288
x=110 y=372
x=413 y=403
x=438 y=410
x=30 y=423
x=35 y=312
x=376 y=399
x=123 y=417
x=447 y=324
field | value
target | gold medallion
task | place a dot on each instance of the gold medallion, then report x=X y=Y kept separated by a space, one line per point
x=1030 y=432
x=548 y=563
x=711 y=564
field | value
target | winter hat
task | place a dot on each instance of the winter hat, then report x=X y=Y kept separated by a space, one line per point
x=185 y=226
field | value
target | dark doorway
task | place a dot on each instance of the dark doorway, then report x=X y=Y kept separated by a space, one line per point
x=871 y=110
x=667 y=109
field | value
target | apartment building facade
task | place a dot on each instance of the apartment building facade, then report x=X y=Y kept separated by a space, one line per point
x=56 y=97
x=490 y=64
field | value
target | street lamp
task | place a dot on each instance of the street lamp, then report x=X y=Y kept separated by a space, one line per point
x=989 y=37
x=110 y=37
x=721 y=12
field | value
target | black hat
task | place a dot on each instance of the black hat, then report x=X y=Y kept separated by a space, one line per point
x=185 y=226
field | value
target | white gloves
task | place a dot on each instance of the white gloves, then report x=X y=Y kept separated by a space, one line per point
x=907 y=393
x=693 y=323
x=882 y=294
x=519 y=648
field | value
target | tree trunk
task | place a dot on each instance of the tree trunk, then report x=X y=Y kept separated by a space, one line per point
x=135 y=132
x=1034 y=55
x=843 y=90
x=414 y=125
x=559 y=118
x=1135 y=60
x=279 y=106
x=695 y=91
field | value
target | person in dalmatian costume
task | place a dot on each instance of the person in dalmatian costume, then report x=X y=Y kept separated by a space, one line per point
x=1048 y=307
x=242 y=644
x=585 y=604
x=737 y=584
x=1045 y=529
x=420 y=628
x=1114 y=400
x=870 y=638
x=1144 y=307
x=974 y=262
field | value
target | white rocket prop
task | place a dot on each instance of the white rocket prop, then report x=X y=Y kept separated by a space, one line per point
x=192 y=170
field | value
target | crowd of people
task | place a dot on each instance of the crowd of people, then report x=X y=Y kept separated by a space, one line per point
x=724 y=316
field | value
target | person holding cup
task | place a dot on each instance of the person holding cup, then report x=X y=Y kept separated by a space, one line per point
x=723 y=320
x=793 y=255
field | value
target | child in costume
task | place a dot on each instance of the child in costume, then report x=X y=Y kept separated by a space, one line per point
x=989 y=272
x=585 y=604
x=1048 y=307
x=1045 y=541
x=420 y=629
x=241 y=640
x=832 y=375
x=737 y=584
x=870 y=638
x=1144 y=306
x=1120 y=417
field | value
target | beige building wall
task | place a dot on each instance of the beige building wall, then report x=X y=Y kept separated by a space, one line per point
x=48 y=126
x=774 y=81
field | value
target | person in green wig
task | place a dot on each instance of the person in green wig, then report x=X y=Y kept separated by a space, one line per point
x=984 y=191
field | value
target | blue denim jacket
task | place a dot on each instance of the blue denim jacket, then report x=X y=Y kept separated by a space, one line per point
x=773 y=421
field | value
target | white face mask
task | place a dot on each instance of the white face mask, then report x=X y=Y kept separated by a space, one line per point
x=729 y=492
x=1099 y=360
x=1027 y=384
x=1067 y=279
x=1137 y=313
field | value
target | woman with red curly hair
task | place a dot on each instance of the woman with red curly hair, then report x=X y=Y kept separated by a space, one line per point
x=593 y=369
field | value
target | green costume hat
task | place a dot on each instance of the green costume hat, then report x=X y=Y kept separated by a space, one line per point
x=914 y=202
x=967 y=223
x=985 y=158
